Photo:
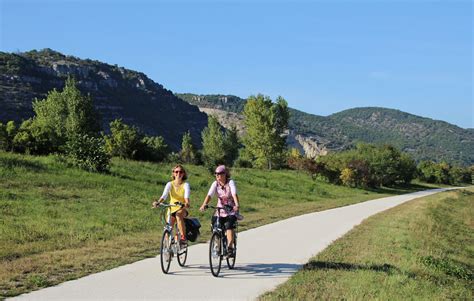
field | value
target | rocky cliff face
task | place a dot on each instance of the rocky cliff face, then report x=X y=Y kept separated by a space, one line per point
x=117 y=93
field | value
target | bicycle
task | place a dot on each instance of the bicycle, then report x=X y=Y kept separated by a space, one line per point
x=218 y=244
x=170 y=245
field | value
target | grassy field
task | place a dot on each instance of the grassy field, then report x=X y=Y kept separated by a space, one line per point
x=60 y=223
x=421 y=250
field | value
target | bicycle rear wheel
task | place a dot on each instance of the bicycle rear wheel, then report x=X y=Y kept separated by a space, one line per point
x=215 y=253
x=231 y=260
x=182 y=255
x=166 y=253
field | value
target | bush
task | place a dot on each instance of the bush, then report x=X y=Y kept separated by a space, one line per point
x=34 y=139
x=244 y=159
x=124 y=140
x=369 y=165
x=348 y=177
x=152 y=149
x=88 y=153
x=3 y=137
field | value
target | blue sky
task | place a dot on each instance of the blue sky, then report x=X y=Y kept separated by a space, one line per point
x=321 y=56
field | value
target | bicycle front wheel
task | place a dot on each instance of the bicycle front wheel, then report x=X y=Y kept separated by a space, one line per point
x=166 y=252
x=215 y=253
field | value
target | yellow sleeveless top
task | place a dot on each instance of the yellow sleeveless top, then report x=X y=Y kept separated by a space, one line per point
x=176 y=195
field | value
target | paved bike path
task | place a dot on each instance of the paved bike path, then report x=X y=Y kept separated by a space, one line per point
x=267 y=256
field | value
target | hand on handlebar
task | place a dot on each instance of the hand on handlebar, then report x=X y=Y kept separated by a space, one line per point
x=203 y=207
x=155 y=203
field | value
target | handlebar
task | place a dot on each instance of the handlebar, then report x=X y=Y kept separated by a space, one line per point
x=171 y=205
x=227 y=208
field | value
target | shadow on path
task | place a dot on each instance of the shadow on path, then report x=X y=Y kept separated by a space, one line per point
x=385 y=268
x=244 y=271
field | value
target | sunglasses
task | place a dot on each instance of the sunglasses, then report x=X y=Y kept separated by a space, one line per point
x=219 y=173
x=178 y=172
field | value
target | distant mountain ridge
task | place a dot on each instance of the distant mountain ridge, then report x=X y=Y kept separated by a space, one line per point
x=117 y=93
x=423 y=138
x=138 y=100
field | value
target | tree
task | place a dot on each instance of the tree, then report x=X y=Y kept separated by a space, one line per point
x=3 y=137
x=231 y=145
x=188 y=151
x=266 y=123
x=88 y=152
x=123 y=141
x=66 y=114
x=152 y=148
x=32 y=138
x=11 y=131
x=213 y=145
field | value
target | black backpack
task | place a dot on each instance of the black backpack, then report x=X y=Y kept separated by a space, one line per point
x=192 y=228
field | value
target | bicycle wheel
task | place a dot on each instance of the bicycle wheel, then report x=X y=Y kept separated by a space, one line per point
x=182 y=255
x=215 y=253
x=166 y=252
x=231 y=260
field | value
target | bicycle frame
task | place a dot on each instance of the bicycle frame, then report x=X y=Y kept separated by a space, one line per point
x=173 y=248
x=217 y=227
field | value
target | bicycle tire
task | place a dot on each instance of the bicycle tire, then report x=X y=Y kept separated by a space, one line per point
x=231 y=260
x=166 y=253
x=182 y=256
x=215 y=253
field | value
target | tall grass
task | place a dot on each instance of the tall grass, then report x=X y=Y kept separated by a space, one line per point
x=422 y=250
x=60 y=223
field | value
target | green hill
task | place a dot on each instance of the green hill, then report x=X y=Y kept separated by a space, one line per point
x=117 y=93
x=423 y=138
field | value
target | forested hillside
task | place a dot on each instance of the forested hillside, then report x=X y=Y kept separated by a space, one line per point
x=117 y=93
x=423 y=138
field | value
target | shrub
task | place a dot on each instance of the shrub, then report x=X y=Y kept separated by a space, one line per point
x=34 y=139
x=152 y=149
x=124 y=140
x=88 y=153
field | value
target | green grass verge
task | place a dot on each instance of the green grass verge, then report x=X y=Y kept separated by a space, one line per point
x=421 y=250
x=60 y=223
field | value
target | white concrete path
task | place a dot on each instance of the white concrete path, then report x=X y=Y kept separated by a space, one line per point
x=267 y=256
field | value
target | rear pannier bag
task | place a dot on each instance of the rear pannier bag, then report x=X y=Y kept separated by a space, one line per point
x=192 y=228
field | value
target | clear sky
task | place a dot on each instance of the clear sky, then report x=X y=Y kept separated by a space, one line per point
x=321 y=56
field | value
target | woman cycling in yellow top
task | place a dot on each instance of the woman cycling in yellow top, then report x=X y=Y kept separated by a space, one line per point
x=179 y=191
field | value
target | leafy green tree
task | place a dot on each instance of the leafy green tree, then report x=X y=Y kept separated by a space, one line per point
x=231 y=145
x=11 y=131
x=188 y=152
x=426 y=171
x=34 y=139
x=244 y=159
x=266 y=123
x=407 y=168
x=152 y=148
x=65 y=114
x=459 y=175
x=3 y=137
x=213 y=144
x=124 y=140
x=87 y=152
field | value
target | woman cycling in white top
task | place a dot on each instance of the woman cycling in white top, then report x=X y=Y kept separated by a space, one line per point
x=226 y=192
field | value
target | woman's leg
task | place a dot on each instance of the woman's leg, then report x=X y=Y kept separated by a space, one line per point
x=230 y=238
x=181 y=225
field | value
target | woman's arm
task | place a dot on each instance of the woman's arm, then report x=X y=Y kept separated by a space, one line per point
x=164 y=196
x=233 y=191
x=204 y=204
x=187 y=194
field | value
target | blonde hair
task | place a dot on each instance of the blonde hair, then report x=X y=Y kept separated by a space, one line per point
x=185 y=175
